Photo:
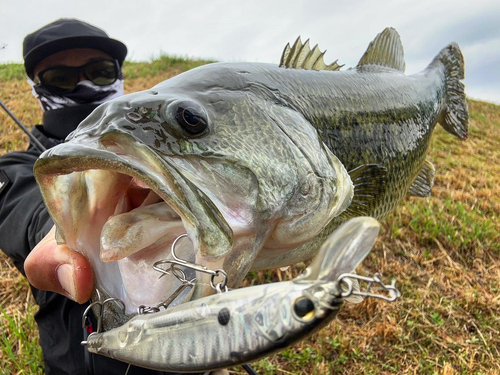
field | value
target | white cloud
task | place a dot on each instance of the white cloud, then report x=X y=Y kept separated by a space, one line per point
x=258 y=30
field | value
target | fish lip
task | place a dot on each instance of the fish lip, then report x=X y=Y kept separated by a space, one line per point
x=92 y=154
x=80 y=157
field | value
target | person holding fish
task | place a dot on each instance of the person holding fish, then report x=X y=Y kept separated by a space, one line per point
x=72 y=67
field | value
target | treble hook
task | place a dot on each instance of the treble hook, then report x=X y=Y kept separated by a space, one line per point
x=194 y=266
x=99 y=316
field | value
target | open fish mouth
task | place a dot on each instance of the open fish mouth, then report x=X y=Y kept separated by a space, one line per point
x=123 y=208
x=141 y=222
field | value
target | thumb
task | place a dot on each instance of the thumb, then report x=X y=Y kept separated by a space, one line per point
x=59 y=269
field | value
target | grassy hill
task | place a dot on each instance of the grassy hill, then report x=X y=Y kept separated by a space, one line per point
x=444 y=252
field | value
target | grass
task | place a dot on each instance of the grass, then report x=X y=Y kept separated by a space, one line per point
x=20 y=352
x=444 y=252
x=20 y=349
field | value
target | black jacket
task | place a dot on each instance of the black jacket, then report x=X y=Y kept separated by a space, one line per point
x=24 y=221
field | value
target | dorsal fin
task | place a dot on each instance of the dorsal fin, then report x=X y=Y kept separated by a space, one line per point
x=422 y=185
x=386 y=50
x=300 y=56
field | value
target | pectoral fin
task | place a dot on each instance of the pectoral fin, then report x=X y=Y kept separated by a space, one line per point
x=369 y=182
x=422 y=185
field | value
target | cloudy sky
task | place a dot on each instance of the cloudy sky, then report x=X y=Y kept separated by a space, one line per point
x=257 y=30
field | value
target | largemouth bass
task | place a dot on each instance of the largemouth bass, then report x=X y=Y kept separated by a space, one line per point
x=245 y=324
x=251 y=160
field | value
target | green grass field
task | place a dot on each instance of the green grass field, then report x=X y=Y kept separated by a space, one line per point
x=444 y=252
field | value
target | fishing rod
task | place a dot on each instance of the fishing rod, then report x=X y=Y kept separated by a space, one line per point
x=33 y=139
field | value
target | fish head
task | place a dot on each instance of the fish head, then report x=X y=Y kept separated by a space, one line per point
x=208 y=153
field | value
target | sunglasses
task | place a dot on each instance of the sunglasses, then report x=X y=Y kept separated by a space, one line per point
x=102 y=72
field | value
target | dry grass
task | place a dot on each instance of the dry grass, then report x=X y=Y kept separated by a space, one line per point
x=444 y=251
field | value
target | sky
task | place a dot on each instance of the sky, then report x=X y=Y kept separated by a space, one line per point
x=258 y=30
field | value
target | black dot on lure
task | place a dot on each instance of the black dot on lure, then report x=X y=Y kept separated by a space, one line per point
x=224 y=316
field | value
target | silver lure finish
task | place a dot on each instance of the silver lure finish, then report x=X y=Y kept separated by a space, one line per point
x=194 y=336
x=244 y=324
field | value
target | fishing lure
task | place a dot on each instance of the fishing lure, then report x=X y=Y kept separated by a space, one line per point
x=241 y=325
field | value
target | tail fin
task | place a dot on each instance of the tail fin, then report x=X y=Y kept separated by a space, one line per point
x=455 y=118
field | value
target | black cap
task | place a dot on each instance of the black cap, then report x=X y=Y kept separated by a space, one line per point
x=68 y=33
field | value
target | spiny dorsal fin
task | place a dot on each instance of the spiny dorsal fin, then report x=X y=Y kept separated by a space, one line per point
x=300 y=56
x=422 y=185
x=369 y=182
x=385 y=50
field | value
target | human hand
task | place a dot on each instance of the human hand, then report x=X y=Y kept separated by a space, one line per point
x=59 y=269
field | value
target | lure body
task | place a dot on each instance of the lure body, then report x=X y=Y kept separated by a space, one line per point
x=217 y=331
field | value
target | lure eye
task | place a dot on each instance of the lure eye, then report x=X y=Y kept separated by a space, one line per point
x=304 y=309
x=191 y=117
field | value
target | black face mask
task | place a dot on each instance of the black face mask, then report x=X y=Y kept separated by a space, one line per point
x=85 y=92
x=58 y=123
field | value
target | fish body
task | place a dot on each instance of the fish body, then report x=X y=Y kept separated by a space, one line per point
x=257 y=163
x=242 y=325
x=374 y=114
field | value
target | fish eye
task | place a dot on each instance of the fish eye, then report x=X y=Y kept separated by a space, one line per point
x=191 y=117
x=304 y=309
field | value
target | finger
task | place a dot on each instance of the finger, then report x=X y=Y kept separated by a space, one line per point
x=59 y=269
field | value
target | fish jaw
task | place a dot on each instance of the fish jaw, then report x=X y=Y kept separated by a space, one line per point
x=113 y=201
